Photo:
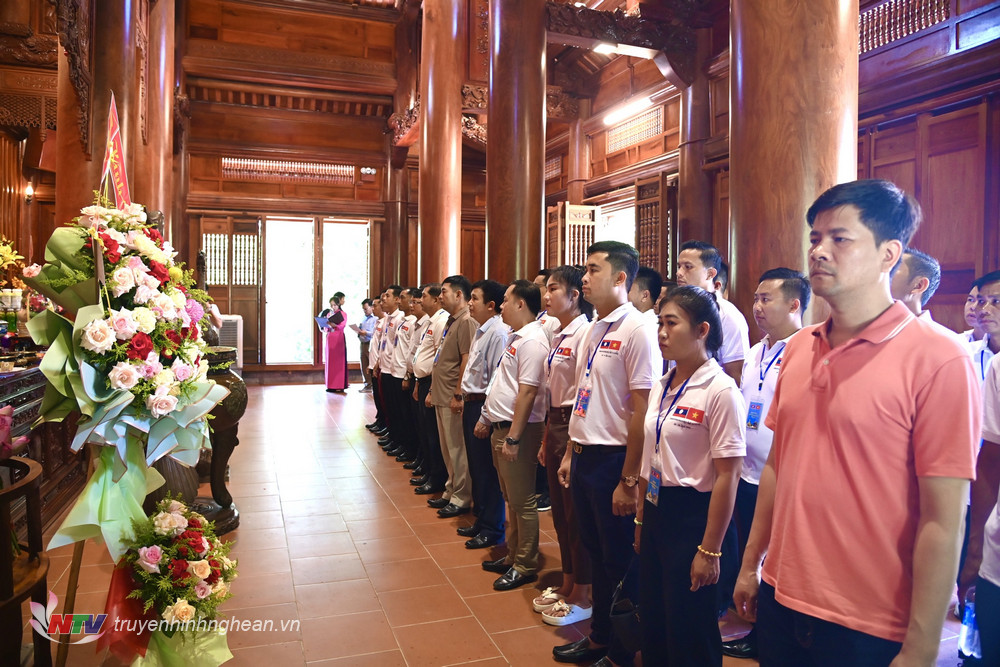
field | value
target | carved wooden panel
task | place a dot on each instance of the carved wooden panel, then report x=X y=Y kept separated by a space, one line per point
x=479 y=40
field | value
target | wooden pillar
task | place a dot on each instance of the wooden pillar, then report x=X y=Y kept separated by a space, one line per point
x=578 y=159
x=394 y=229
x=113 y=69
x=694 y=186
x=515 y=154
x=442 y=69
x=793 y=125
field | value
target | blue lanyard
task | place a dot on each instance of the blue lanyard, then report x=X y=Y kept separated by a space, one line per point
x=771 y=363
x=662 y=417
x=444 y=335
x=555 y=348
x=590 y=361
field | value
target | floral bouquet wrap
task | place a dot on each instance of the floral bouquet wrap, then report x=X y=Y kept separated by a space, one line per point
x=165 y=593
x=127 y=353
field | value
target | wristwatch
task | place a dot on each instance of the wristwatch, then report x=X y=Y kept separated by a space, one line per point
x=630 y=480
x=512 y=441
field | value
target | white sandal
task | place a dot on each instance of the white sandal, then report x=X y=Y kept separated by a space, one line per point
x=545 y=601
x=570 y=614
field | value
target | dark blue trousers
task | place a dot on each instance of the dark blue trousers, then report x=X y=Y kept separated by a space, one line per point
x=487 y=499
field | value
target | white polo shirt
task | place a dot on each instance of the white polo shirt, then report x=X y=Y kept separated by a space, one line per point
x=651 y=319
x=982 y=356
x=523 y=362
x=735 y=333
x=427 y=346
x=418 y=334
x=376 y=342
x=561 y=362
x=402 y=347
x=760 y=375
x=990 y=568
x=388 y=343
x=705 y=422
x=549 y=324
x=623 y=355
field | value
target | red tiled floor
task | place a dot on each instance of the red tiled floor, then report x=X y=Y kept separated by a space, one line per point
x=332 y=537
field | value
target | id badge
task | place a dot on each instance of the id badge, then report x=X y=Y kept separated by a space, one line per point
x=582 y=402
x=653 y=488
x=753 y=415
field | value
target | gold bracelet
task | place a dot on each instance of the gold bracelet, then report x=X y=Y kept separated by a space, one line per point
x=713 y=554
x=636 y=521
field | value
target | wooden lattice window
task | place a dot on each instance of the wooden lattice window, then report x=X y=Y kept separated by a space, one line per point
x=553 y=168
x=635 y=130
x=252 y=169
x=896 y=19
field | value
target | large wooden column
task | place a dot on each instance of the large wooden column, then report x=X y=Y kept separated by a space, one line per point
x=113 y=69
x=394 y=227
x=694 y=187
x=443 y=54
x=793 y=125
x=578 y=160
x=515 y=154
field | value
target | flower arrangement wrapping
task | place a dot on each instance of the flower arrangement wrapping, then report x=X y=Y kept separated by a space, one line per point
x=176 y=573
x=127 y=353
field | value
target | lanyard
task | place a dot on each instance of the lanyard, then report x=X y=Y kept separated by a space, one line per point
x=662 y=417
x=763 y=371
x=555 y=348
x=590 y=361
x=444 y=334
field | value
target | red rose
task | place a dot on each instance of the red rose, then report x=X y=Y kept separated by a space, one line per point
x=173 y=336
x=182 y=550
x=158 y=271
x=140 y=346
x=178 y=569
x=111 y=249
x=212 y=578
x=193 y=523
x=154 y=234
x=193 y=332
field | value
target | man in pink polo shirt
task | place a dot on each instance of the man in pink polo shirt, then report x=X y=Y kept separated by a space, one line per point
x=876 y=419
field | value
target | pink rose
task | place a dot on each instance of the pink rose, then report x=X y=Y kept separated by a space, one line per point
x=123 y=279
x=134 y=262
x=124 y=375
x=194 y=309
x=152 y=367
x=202 y=590
x=98 y=336
x=123 y=324
x=31 y=271
x=181 y=370
x=149 y=558
x=161 y=403
x=144 y=293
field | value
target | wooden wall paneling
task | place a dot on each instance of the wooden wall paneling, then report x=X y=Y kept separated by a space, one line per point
x=473 y=264
x=991 y=240
x=719 y=94
x=864 y=154
x=11 y=186
x=721 y=225
x=894 y=156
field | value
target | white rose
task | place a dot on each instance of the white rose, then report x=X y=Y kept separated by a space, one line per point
x=124 y=280
x=164 y=378
x=123 y=323
x=161 y=403
x=176 y=507
x=202 y=368
x=166 y=306
x=220 y=588
x=145 y=320
x=144 y=293
x=179 y=612
x=199 y=568
x=124 y=375
x=98 y=336
x=168 y=523
x=115 y=234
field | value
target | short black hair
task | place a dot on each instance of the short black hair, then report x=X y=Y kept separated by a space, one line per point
x=921 y=264
x=883 y=208
x=710 y=257
x=367 y=302
x=571 y=278
x=339 y=296
x=528 y=292
x=414 y=292
x=722 y=277
x=700 y=306
x=544 y=272
x=492 y=291
x=621 y=257
x=395 y=289
x=434 y=289
x=649 y=279
x=460 y=284
x=794 y=284
x=987 y=279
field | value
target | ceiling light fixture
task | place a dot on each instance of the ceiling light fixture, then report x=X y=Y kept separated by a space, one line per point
x=627 y=111
x=606 y=48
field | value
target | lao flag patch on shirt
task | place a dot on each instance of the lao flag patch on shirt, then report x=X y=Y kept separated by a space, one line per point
x=689 y=414
x=778 y=362
x=611 y=345
x=512 y=350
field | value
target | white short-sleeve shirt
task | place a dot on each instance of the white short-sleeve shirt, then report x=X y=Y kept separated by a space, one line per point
x=982 y=356
x=522 y=362
x=376 y=342
x=562 y=362
x=705 y=422
x=735 y=333
x=427 y=346
x=387 y=344
x=625 y=357
x=402 y=345
x=760 y=375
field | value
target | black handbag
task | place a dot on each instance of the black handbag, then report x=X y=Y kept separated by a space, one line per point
x=625 y=615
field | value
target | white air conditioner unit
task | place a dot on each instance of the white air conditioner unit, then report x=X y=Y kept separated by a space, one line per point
x=231 y=335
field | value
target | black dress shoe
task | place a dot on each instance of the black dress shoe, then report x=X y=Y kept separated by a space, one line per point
x=373 y=425
x=419 y=481
x=499 y=566
x=437 y=503
x=384 y=440
x=404 y=458
x=579 y=651
x=603 y=662
x=744 y=647
x=513 y=579
x=483 y=541
x=394 y=451
x=427 y=489
x=384 y=431
x=412 y=465
x=468 y=531
x=450 y=510
x=418 y=471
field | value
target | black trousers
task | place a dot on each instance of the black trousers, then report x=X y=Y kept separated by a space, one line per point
x=381 y=414
x=988 y=617
x=487 y=499
x=430 y=442
x=392 y=391
x=607 y=538
x=679 y=627
x=787 y=638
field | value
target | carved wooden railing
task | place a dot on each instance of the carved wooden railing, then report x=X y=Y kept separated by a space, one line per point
x=895 y=19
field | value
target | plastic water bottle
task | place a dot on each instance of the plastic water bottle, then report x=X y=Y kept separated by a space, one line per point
x=968 y=636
